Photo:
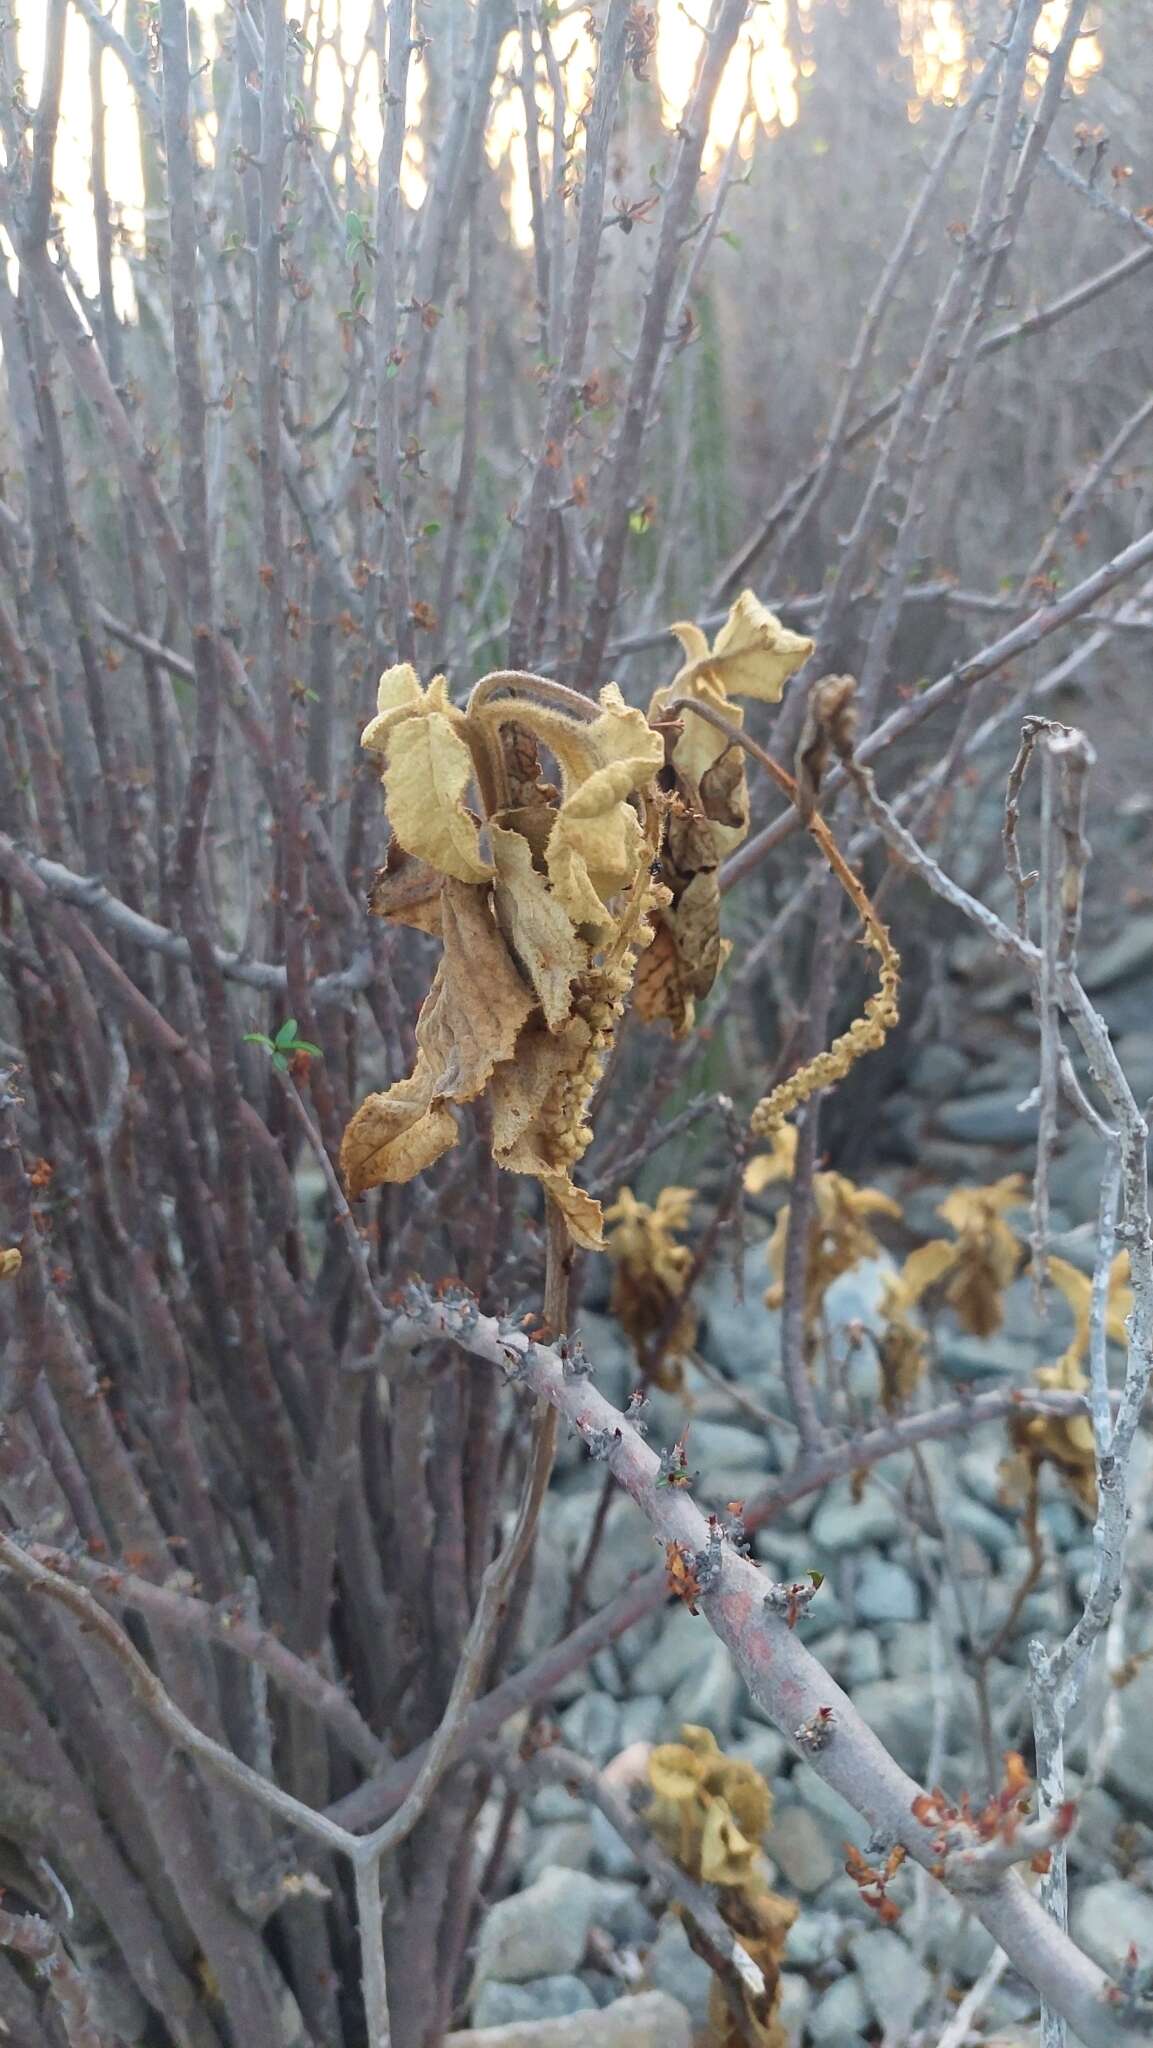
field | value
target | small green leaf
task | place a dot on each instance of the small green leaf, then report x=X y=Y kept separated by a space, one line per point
x=279 y=1062
x=286 y=1033
x=258 y=1038
x=727 y=235
x=302 y=1045
x=392 y=369
x=430 y=527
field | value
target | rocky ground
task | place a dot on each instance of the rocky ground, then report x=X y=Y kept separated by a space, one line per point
x=903 y=1603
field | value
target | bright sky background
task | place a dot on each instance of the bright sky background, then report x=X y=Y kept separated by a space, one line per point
x=759 y=91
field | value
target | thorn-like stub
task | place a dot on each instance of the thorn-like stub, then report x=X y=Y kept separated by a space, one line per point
x=575 y=1361
x=816 y=1734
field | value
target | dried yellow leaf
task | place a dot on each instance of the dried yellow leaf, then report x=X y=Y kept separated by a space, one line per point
x=924 y=1267
x=481 y=1004
x=839 y=1238
x=659 y=992
x=11 y=1261
x=708 y=815
x=675 y=1771
x=701 y=1741
x=724 y=791
x=538 y=929
x=581 y=1211
x=398 y=693
x=725 y=1856
x=745 y=1793
x=779 y=1163
x=597 y=838
x=607 y=757
x=902 y=1346
x=694 y=920
x=540 y=942
x=1066 y=1441
x=753 y=655
x=696 y=752
x=1063 y=1441
x=607 y=762
x=407 y=891
x=571 y=882
x=688 y=950
x=971 y=1208
x=652 y=1273
x=395 y=1135
x=538 y=1104
x=428 y=769
x=460 y=1041
x=710 y=1813
x=979 y=1263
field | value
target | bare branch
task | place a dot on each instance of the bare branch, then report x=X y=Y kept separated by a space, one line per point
x=788 y=1682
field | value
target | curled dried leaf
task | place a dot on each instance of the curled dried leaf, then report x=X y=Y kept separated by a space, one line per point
x=681 y=1576
x=539 y=931
x=726 y=1855
x=708 y=815
x=840 y=1237
x=753 y=654
x=710 y=1812
x=778 y=1163
x=652 y=1271
x=541 y=940
x=980 y=1261
x=397 y=1134
x=902 y=1347
x=407 y=890
x=428 y=769
x=828 y=730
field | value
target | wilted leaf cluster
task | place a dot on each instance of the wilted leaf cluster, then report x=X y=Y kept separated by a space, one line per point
x=1066 y=1441
x=546 y=894
x=541 y=898
x=711 y=1813
x=839 y=1235
x=978 y=1262
x=705 y=777
x=652 y=1274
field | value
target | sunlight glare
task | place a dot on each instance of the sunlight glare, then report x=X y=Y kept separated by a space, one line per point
x=758 y=92
x=74 y=148
x=576 y=55
x=943 y=59
x=759 y=84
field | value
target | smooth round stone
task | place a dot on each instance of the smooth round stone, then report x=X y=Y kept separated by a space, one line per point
x=886 y=1592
